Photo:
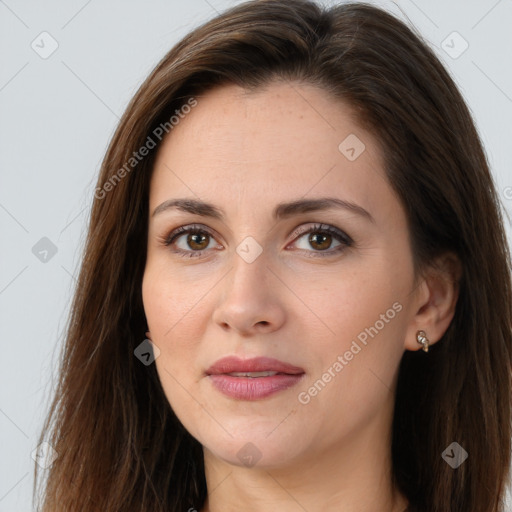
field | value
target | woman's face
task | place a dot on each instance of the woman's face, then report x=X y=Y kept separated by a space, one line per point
x=337 y=306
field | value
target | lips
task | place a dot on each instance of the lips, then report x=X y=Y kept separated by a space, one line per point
x=232 y=364
x=253 y=379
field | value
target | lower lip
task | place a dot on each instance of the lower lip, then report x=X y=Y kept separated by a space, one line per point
x=256 y=388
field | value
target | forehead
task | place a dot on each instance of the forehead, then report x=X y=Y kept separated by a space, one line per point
x=278 y=143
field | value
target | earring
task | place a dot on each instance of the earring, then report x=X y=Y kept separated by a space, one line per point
x=422 y=339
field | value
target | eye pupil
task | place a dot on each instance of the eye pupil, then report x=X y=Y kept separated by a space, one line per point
x=313 y=239
x=192 y=240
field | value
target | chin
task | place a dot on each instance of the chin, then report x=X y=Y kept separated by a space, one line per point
x=255 y=448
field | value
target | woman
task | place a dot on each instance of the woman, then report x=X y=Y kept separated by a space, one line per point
x=295 y=291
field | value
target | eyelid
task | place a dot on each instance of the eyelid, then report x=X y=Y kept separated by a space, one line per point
x=322 y=227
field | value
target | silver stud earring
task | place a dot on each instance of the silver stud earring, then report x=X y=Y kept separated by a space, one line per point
x=421 y=338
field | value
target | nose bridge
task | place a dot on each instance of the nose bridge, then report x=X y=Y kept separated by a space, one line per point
x=246 y=299
x=250 y=263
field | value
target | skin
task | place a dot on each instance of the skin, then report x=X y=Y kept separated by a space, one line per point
x=246 y=152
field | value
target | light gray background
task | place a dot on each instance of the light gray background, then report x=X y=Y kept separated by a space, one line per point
x=56 y=118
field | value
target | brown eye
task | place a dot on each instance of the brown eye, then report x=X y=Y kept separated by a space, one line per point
x=197 y=240
x=321 y=239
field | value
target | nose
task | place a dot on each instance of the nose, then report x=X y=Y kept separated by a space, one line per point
x=250 y=296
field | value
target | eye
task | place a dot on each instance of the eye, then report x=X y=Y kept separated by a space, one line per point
x=199 y=238
x=321 y=238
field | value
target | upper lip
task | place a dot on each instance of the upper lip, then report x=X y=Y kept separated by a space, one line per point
x=258 y=364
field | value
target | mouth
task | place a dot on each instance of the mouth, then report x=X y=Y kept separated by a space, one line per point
x=254 y=375
x=253 y=379
x=255 y=367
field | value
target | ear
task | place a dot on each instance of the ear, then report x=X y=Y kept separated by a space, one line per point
x=435 y=299
x=148 y=335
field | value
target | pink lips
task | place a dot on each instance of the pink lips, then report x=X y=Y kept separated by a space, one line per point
x=253 y=388
x=258 y=364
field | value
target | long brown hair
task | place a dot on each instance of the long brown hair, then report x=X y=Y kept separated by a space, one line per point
x=119 y=444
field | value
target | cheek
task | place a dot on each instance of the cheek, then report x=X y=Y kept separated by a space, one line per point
x=169 y=303
x=172 y=331
x=344 y=303
x=363 y=319
x=173 y=312
x=355 y=377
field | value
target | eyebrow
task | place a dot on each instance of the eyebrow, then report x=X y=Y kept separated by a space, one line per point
x=281 y=211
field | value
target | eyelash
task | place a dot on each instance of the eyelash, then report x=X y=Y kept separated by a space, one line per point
x=345 y=240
